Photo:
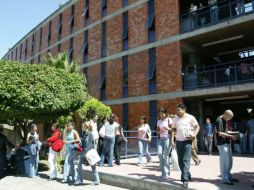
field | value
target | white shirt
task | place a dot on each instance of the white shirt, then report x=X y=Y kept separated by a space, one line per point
x=94 y=129
x=184 y=126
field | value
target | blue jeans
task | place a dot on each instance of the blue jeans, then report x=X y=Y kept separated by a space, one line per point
x=34 y=159
x=163 y=154
x=68 y=166
x=214 y=14
x=95 y=174
x=108 y=142
x=2 y=164
x=251 y=142
x=226 y=161
x=143 y=145
x=77 y=164
x=243 y=143
x=183 y=149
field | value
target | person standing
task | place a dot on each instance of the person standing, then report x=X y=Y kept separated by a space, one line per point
x=93 y=122
x=88 y=144
x=34 y=146
x=243 y=136
x=144 y=137
x=4 y=142
x=224 y=146
x=56 y=134
x=118 y=142
x=109 y=140
x=164 y=125
x=186 y=128
x=208 y=135
x=250 y=130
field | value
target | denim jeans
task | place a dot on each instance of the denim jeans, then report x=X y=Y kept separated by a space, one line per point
x=209 y=144
x=226 y=161
x=95 y=174
x=251 y=142
x=163 y=154
x=2 y=164
x=68 y=166
x=77 y=165
x=108 y=142
x=117 y=149
x=143 y=145
x=214 y=14
x=34 y=160
x=183 y=149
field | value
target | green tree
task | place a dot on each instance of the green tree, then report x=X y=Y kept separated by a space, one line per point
x=38 y=92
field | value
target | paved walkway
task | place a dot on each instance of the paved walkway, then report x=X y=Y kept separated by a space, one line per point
x=204 y=176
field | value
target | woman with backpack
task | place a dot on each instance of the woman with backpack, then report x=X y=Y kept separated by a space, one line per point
x=56 y=134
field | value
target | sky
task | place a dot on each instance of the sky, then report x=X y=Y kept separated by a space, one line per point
x=18 y=17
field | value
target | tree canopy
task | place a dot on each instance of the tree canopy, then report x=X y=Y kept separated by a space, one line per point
x=38 y=91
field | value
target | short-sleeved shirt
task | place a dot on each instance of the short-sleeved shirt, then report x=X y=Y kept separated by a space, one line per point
x=162 y=124
x=250 y=126
x=208 y=130
x=221 y=126
x=184 y=126
x=94 y=129
x=110 y=129
x=142 y=131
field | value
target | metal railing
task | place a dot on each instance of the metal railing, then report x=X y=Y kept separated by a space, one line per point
x=213 y=14
x=219 y=75
x=130 y=148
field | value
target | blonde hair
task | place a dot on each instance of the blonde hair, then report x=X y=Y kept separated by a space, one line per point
x=87 y=126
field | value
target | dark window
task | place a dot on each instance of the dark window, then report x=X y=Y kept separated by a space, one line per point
x=152 y=71
x=104 y=4
x=125 y=26
x=59 y=27
x=72 y=18
x=153 y=114
x=150 y=19
x=32 y=49
x=59 y=46
x=70 y=52
x=40 y=39
x=85 y=48
x=16 y=54
x=86 y=13
x=103 y=40
x=26 y=49
x=125 y=116
x=49 y=34
x=125 y=76
x=151 y=36
x=12 y=55
x=39 y=59
x=125 y=45
x=20 y=52
x=125 y=3
x=102 y=84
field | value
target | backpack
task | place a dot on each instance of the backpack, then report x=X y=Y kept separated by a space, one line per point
x=58 y=145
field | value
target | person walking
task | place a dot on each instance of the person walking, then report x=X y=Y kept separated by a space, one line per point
x=4 y=142
x=88 y=144
x=34 y=146
x=208 y=135
x=94 y=124
x=164 y=125
x=52 y=155
x=186 y=128
x=109 y=140
x=250 y=131
x=224 y=146
x=194 y=150
x=144 y=137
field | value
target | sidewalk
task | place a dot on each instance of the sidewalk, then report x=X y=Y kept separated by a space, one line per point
x=204 y=176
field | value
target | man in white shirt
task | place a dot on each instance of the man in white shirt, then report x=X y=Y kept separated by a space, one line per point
x=95 y=132
x=186 y=128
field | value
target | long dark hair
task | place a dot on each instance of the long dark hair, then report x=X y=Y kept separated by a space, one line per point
x=112 y=119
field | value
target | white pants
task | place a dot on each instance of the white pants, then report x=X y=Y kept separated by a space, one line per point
x=52 y=163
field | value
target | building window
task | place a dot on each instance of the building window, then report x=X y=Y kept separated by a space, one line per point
x=153 y=114
x=72 y=18
x=26 y=49
x=49 y=34
x=152 y=71
x=150 y=19
x=32 y=49
x=125 y=76
x=125 y=26
x=59 y=27
x=103 y=40
x=39 y=59
x=125 y=3
x=40 y=39
x=16 y=54
x=20 y=52
x=125 y=116
x=70 y=52
x=85 y=13
x=104 y=8
x=102 y=84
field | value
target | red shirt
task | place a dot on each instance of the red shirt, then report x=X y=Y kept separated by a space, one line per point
x=56 y=135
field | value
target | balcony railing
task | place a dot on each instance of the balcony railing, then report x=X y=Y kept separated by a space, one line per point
x=213 y=14
x=219 y=75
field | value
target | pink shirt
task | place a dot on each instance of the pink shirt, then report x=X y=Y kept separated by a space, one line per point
x=142 y=131
x=162 y=124
x=184 y=126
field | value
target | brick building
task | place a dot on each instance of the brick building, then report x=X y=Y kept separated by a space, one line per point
x=139 y=55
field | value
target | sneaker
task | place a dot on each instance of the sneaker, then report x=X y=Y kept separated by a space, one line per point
x=64 y=181
x=185 y=184
x=228 y=182
x=189 y=178
x=51 y=178
x=77 y=182
x=165 y=177
x=234 y=180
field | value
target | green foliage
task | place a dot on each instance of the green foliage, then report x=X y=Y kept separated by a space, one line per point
x=94 y=106
x=63 y=120
x=61 y=61
x=38 y=92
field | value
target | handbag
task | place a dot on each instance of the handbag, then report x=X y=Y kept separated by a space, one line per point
x=174 y=160
x=57 y=146
x=92 y=157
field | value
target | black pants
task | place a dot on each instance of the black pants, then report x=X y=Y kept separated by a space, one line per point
x=117 y=149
